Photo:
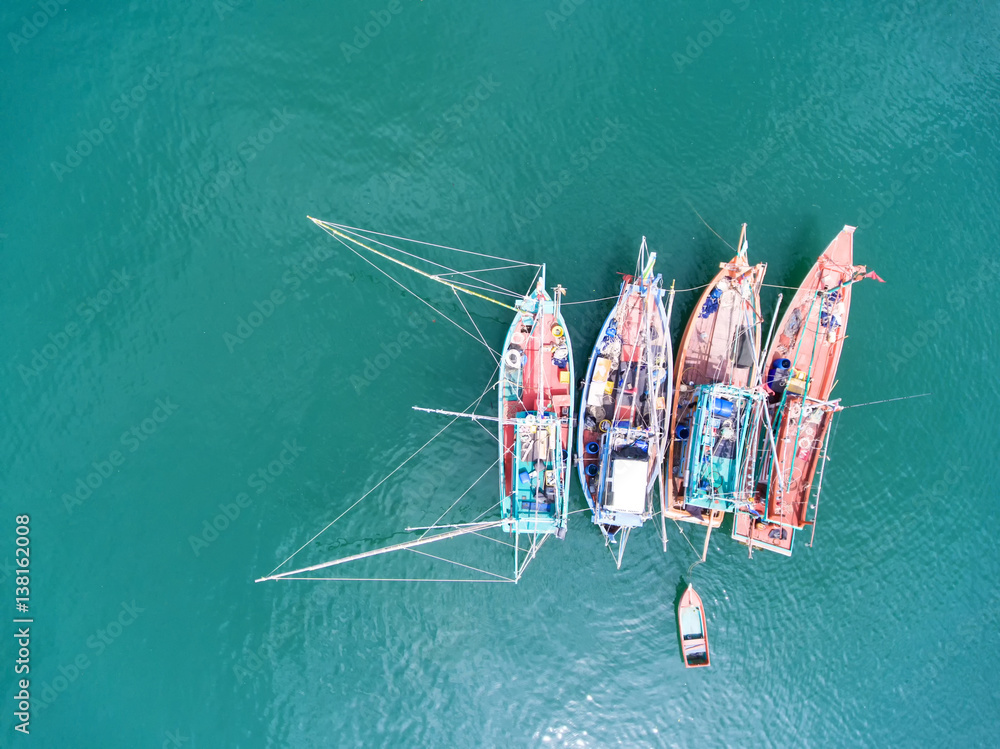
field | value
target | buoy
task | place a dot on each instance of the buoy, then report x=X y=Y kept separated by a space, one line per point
x=604 y=426
x=512 y=358
x=557 y=331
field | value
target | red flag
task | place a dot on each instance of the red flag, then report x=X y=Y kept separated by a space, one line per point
x=873 y=274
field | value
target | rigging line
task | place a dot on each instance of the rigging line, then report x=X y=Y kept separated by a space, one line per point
x=485 y=429
x=459 y=564
x=396 y=580
x=481 y=336
x=486 y=512
x=386 y=478
x=439 y=246
x=681 y=530
x=709 y=227
x=410 y=291
x=337 y=233
x=777 y=286
x=460 y=497
x=479 y=270
x=490 y=286
x=494 y=540
x=591 y=301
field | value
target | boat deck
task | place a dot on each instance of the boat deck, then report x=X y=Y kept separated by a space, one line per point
x=622 y=403
x=536 y=408
x=719 y=345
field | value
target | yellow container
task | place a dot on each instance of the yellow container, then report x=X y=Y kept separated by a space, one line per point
x=609 y=387
x=564 y=376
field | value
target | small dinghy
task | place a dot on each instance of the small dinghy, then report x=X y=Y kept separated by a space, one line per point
x=694 y=633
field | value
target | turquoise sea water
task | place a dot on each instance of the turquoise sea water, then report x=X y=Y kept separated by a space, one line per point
x=159 y=161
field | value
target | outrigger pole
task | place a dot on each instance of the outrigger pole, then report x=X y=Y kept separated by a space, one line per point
x=473 y=528
x=333 y=231
x=474 y=417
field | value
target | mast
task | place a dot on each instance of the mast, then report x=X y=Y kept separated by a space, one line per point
x=385 y=550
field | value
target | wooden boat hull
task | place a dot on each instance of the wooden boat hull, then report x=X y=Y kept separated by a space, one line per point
x=721 y=344
x=811 y=338
x=624 y=409
x=693 y=629
x=536 y=394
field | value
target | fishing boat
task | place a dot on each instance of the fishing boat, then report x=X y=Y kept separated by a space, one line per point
x=625 y=405
x=536 y=397
x=801 y=372
x=693 y=629
x=534 y=378
x=717 y=398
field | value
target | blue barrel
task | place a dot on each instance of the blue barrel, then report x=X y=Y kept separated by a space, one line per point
x=524 y=476
x=722 y=408
x=682 y=432
x=778 y=372
x=593 y=448
x=593 y=469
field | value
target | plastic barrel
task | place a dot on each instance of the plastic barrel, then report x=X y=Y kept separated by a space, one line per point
x=593 y=469
x=722 y=408
x=593 y=448
x=779 y=372
x=682 y=432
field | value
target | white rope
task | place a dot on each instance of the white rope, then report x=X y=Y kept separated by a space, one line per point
x=494 y=540
x=486 y=512
x=461 y=496
x=410 y=291
x=459 y=564
x=490 y=286
x=482 y=338
x=521 y=263
x=395 y=580
x=591 y=301
x=386 y=478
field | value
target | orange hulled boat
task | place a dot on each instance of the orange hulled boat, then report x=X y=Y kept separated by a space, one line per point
x=717 y=399
x=801 y=372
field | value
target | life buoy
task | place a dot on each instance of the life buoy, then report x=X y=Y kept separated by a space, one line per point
x=557 y=331
x=512 y=358
x=604 y=426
